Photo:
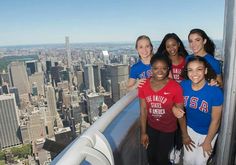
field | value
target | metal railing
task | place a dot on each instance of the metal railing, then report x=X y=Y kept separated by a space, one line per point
x=103 y=143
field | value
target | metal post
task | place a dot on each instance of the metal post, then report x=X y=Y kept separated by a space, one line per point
x=226 y=143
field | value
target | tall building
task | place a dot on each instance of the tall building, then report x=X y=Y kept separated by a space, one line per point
x=38 y=80
x=89 y=78
x=124 y=59
x=18 y=77
x=97 y=76
x=80 y=80
x=106 y=79
x=4 y=77
x=52 y=107
x=9 y=122
x=106 y=58
x=68 y=53
x=118 y=73
x=16 y=92
x=51 y=101
x=55 y=75
x=94 y=101
x=48 y=66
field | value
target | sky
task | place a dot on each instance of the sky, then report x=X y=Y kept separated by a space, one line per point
x=26 y=22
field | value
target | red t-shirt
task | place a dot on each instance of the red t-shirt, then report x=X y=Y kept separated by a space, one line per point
x=159 y=105
x=177 y=69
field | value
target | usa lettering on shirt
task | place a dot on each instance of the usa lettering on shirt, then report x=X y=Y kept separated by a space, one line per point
x=145 y=74
x=194 y=103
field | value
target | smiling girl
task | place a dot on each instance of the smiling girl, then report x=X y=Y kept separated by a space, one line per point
x=203 y=46
x=142 y=69
x=173 y=47
x=203 y=104
x=157 y=96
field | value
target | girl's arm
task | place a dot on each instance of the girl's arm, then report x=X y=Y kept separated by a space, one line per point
x=143 y=122
x=214 y=125
x=187 y=141
x=133 y=83
x=219 y=80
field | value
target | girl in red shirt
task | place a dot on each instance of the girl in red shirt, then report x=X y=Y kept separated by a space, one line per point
x=158 y=124
x=173 y=47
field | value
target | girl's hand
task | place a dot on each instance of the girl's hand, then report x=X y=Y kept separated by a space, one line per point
x=207 y=148
x=188 y=143
x=214 y=82
x=144 y=140
x=140 y=82
x=178 y=112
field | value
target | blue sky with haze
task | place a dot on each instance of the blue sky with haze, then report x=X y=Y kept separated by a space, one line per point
x=49 y=21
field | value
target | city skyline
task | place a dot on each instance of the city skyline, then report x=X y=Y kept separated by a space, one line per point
x=47 y=22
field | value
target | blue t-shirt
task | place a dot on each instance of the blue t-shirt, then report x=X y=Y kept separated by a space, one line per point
x=215 y=64
x=140 y=70
x=199 y=105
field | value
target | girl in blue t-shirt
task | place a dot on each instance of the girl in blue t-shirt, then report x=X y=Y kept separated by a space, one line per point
x=142 y=69
x=203 y=104
x=203 y=46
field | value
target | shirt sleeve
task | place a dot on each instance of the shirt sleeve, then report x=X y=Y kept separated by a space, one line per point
x=178 y=97
x=218 y=97
x=217 y=67
x=133 y=73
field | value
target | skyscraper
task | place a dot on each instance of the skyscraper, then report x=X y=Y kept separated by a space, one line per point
x=97 y=76
x=16 y=92
x=68 y=53
x=51 y=101
x=118 y=73
x=4 y=77
x=18 y=77
x=80 y=80
x=124 y=59
x=94 y=101
x=9 y=122
x=38 y=80
x=106 y=57
x=89 y=77
x=52 y=107
x=106 y=79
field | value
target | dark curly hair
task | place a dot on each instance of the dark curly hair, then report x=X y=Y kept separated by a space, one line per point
x=161 y=57
x=162 y=48
x=210 y=72
x=209 y=45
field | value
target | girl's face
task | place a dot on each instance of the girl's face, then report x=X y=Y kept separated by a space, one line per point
x=159 y=70
x=144 y=48
x=196 y=72
x=172 y=47
x=196 y=43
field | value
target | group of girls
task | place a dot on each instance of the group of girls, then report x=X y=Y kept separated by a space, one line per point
x=174 y=86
